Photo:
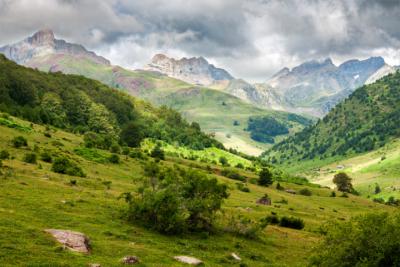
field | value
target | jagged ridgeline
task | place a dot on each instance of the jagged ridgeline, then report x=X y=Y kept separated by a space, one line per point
x=80 y=104
x=368 y=119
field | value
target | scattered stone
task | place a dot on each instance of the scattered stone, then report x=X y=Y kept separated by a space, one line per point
x=94 y=265
x=71 y=240
x=235 y=256
x=290 y=191
x=188 y=260
x=265 y=200
x=130 y=260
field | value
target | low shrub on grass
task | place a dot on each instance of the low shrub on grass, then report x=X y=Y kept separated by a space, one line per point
x=292 y=222
x=114 y=158
x=242 y=187
x=19 y=141
x=46 y=157
x=233 y=174
x=64 y=166
x=245 y=227
x=305 y=192
x=30 y=158
x=4 y=154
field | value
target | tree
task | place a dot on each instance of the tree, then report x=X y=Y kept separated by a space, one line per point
x=377 y=189
x=367 y=240
x=132 y=134
x=343 y=182
x=157 y=152
x=265 y=177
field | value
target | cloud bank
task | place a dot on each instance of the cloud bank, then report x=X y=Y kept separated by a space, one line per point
x=250 y=38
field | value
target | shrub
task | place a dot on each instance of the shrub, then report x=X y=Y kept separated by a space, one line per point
x=242 y=187
x=265 y=177
x=115 y=148
x=47 y=134
x=305 y=192
x=223 y=161
x=19 y=141
x=245 y=227
x=343 y=182
x=30 y=158
x=333 y=194
x=114 y=158
x=157 y=152
x=136 y=154
x=272 y=219
x=175 y=200
x=64 y=166
x=46 y=157
x=4 y=154
x=233 y=174
x=239 y=166
x=367 y=240
x=292 y=222
x=279 y=187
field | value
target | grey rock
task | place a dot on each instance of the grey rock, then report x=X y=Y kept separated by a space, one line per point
x=74 y=241
x=188 y=260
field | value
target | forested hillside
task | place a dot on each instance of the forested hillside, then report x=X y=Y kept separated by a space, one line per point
x=367 y=120
x=83 y=105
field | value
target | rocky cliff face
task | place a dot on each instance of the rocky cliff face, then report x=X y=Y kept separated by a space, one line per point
x=43 y=43
x=192 y=70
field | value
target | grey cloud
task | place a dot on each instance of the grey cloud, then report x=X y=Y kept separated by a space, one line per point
x=251 y=38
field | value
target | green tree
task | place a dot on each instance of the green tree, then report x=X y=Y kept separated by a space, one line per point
x=265 y=177
x=343 y=182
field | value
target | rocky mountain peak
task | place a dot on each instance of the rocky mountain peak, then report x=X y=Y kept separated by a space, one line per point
x=195 y=70
x=42 y=37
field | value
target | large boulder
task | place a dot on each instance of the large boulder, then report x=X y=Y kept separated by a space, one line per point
x=71 y=240
x=188 y=260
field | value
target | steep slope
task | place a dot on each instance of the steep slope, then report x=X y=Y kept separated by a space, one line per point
x=81 y=105
x=204 y=106
x=315 y=86
x=367 y=120
x=192 y=70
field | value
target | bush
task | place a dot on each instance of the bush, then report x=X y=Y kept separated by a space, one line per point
x=114 y=158
x=305 y=192
x=333 y=194
x=46 y=157
x=223 y=161
x=233 y=174
x=272 y=219
x=175 y=200
x=115 y=148
x=136 y=154
x=242 y=187
x=64 y=166
x=279 y=187
x=30 y=158
x=157 y=152
x=47 y=134
x=245 y=227
x=292 y=222
x=4 y=154
x=265 y=177
x=19 y=141
x=367 y=240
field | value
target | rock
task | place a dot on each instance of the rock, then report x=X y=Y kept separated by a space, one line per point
x=130 y=260
x=188 y=260
x=235 y=257
x=265 y=200
x=94 y=265
x=290 y=191
x=74 y=241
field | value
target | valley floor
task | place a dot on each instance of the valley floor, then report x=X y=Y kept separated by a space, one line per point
x=33 y=198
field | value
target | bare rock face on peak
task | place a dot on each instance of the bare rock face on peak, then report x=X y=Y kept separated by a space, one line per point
x=43 y=44
x=195 y=70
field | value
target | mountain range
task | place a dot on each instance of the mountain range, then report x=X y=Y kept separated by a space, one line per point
x=218 y=112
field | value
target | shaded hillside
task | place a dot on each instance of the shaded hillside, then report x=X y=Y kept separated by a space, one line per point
x=80 y=105
x=368 y=119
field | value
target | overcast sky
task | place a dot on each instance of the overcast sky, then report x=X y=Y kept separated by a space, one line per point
x=250 y=38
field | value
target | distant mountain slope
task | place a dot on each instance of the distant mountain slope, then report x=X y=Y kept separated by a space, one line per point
x=368 y=119
x=315 y=86
x=192 y=70
x=196 y=103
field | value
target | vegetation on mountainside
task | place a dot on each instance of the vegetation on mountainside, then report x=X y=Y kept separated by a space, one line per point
x=367 y=120
x=80 y=105
x=264 y=129
x=368 y=240
x=34 y=198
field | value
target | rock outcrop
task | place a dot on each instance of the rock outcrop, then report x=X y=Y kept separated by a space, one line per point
x=188 y=260
x=71 y=240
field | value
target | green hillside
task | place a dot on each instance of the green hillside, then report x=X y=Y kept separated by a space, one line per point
x=214 y=110
x=34 y=198
x=366 y=121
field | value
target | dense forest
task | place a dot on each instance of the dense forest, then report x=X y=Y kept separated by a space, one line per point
x=264 y=129
x=82 y=105
x=368 y=119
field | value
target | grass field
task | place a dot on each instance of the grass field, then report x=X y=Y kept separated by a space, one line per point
x=33 y=198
